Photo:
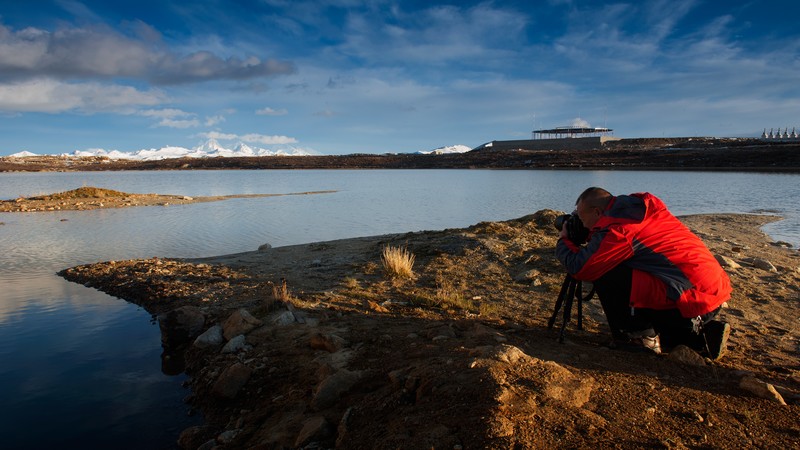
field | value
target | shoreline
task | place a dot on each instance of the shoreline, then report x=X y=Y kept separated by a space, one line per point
x=628 y=154
x=327 y=349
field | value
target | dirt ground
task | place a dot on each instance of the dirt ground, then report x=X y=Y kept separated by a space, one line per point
x=333 y=352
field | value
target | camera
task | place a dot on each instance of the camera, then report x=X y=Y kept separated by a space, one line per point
x=576 y=232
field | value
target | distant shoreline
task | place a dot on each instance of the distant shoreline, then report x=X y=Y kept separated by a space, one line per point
x=741 y=155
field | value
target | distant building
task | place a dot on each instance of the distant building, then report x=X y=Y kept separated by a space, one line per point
x=571 y=132
x=571 y=137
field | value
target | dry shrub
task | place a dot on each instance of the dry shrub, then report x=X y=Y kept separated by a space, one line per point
x=280 y=292
x=397 y=262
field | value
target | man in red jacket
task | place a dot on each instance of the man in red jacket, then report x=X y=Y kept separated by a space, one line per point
x=656 y=280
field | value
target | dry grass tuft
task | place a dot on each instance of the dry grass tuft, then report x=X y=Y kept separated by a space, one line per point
x=280 y=292
x=397 y=262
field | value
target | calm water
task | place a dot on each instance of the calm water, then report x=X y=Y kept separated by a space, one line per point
x=81 y=368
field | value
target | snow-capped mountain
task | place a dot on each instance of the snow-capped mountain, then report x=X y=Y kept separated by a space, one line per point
x=446 y=150
x=208 y=149
x=213 y=149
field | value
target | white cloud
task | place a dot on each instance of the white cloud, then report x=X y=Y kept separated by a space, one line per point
x=103 y=52
x=271 y=112
x=218 y=135
x=267 y=140
x=213 y=120
x=172 y=118
x=252 y=138
x=52 y=96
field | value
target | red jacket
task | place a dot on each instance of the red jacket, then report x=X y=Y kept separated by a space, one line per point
x=672 y=268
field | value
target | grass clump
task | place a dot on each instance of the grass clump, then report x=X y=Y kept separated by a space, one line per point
x=397 y=262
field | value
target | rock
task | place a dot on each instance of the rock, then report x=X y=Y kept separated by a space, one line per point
x=282 y=318
x=235 y=344
x=528 y=275
x=684 y=355
x=227 y=436
x=727 y=263
x=193 y=437
x=181 y=325
x=328 y=342
x=761 y=389
x=561 y=384
x=333 y=387
x=314 y=429
x=212 y=337
x=761 y=263
x=231 y=381
x=508 y=354
x=264 y=247
x=240 y=322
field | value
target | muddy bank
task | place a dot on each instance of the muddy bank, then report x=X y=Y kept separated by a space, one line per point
x=316 y=346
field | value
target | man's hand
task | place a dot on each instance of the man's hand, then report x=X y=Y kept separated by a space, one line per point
x=564 y=234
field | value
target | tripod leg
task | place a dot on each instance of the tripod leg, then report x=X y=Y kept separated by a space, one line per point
x=567 y=308
x=559 y=301
x=579 y=297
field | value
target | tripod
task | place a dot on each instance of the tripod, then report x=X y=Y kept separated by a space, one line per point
x=571 y=289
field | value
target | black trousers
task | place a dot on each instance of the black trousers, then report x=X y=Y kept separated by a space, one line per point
x=614 y=291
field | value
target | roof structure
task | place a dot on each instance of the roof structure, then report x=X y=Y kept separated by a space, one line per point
x=570 y=132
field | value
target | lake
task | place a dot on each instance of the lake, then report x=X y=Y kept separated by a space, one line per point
x=80 y=368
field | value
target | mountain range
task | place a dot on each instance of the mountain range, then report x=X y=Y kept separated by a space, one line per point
x=212 y=149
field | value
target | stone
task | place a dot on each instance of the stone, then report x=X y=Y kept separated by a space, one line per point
x=181 y=325
x=329 y=342
x=193 y=437
x=727 y=263
x=685 y=355
x=528 y=275
x=240 y=322
x=762 y=264
x=333 y=387
x=227 y=436
x=761 y=389
x=314 y=429
x=264 y=247
x=212 y=337
x=234 y=345
x=231 y=381
x=282 y=318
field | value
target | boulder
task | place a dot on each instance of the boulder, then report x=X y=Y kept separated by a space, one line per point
x=761 y=389
x=231 y=381
x=684 y=355
x=235 y=344
x=314 y=429
x=333 y=387
x=212 y=337
x=240 y=322
x=181 y=325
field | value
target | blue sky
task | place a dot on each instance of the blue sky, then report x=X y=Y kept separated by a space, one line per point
x=346 y=76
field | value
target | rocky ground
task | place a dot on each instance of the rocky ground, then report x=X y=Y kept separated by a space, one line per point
x=315 y=346
x=641 y=154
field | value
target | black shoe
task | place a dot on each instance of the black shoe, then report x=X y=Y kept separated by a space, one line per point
x=715 y=333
